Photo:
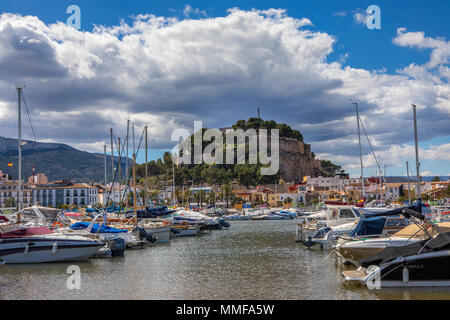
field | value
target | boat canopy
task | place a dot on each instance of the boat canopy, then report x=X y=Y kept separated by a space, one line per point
x=369 y=226
x=44 y=214
x=392 y=212
x=415 y=231
x=25 y=232
x=96 y=228
x=437 y=243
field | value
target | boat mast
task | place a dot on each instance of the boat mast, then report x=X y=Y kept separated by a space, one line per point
x=104 y=147
x=360 y=151
x=409 y=187
x=120 y=163
x=173 y=181
x=419 y=200
x=145 y=179
x=19 y=120
x=134 y=186
x=126 y=158
x=112 y=165
x=134 y=177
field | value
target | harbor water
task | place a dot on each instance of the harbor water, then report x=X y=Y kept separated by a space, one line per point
x=250 y=260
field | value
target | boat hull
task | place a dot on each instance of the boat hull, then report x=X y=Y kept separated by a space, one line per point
x=430 y=269
x=185 y=232
x=162 y=233
x=29 y=250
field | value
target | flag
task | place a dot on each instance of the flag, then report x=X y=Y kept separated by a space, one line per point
x=10 y=164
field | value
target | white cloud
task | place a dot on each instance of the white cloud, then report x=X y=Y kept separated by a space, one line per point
x=360 y=16
x=189 y=11
x=340 y=14
x=440 y=47
x=168 y=72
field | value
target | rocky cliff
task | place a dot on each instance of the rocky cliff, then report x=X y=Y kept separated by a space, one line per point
x=296 y=160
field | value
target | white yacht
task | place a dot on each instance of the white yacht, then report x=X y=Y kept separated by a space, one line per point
x=40 y=244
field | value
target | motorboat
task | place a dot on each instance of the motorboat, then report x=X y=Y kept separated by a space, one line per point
x=151 y=212
x=366 y=227
x=353 y=250
x=236 y=217
x=158 y=229
x=184 y=230
x=424 y=263
x=41 y=245
x=278 y=216
x=334 y=216
x=193 y=217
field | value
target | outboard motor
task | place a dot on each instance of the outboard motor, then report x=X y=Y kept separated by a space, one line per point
x=117 y=246
x=223 y=222
x=151 y=238
x=140 y=233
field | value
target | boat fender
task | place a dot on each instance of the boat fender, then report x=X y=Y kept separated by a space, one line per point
x=27 y=247
x=55 y=247
x=405 y=274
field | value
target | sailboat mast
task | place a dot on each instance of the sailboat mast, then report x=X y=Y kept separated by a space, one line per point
x=360 y=151
x=112 y=165
x=120 y=163
x=134 y=185
x=126 y=158
x=409 y=187
x=104 y=147
x=146 y=159
x=173 y=182
x=419 y=200
x=19 y=120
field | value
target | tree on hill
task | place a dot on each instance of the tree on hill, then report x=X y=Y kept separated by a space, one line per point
x=330 y=169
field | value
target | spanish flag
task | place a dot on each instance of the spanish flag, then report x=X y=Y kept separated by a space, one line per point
x=10 y=164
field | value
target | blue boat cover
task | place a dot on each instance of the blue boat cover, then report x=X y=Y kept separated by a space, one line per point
x=369 y=226
x=95 y=228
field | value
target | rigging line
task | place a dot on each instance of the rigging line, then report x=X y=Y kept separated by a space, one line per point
x=120 y=164
x=373 y=152
x=131 y=173
x=40 y=162
x=28 y=116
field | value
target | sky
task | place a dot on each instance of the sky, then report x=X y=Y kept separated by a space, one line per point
x=167 y=63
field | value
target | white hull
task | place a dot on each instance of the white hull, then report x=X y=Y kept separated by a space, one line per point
x=185 y=233
x=41 y=250
x=235 y=218
x=163 y=233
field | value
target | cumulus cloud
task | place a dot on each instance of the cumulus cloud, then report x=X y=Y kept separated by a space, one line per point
x=360 y=16
x=167 y=72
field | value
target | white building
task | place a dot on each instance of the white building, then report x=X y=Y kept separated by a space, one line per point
x=57 y=194
x=325 y=183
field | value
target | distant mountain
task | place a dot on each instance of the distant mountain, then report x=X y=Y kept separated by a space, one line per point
x=57 y=161
x=413 y=179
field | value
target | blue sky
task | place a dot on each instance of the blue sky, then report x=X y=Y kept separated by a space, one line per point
x=355 y=46
x=370 y=49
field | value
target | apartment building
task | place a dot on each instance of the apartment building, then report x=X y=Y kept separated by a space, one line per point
x=60 y=193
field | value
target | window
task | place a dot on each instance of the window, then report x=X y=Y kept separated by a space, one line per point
x=346 y=213
x=397 y=222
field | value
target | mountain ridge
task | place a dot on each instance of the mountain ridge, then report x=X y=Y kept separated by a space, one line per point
x=56 y=160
